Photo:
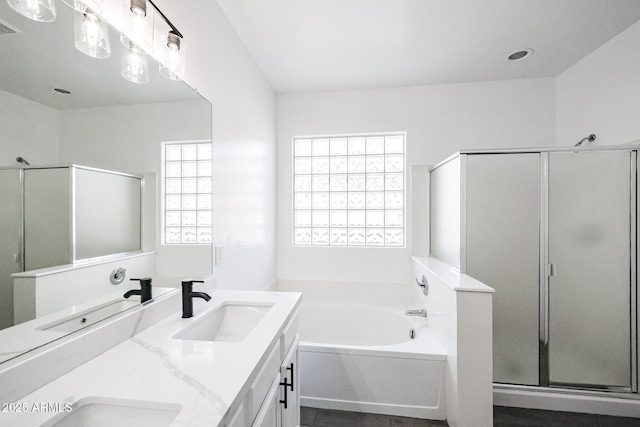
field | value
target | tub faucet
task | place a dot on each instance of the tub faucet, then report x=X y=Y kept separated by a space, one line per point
x=144 y=291
x=422 y=312
x=188 y=295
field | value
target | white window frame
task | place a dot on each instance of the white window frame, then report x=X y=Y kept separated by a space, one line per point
x=312 y=242
x=163 y=198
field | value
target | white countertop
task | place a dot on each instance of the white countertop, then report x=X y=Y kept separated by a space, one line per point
x=207 y=379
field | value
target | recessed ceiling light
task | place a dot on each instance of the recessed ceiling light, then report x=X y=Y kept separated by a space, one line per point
x=63 y=91
x=521 y=54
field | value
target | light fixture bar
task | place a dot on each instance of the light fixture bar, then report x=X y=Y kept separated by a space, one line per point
x=173 y=28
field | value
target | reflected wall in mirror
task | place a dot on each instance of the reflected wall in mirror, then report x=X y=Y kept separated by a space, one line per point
x=105 y=122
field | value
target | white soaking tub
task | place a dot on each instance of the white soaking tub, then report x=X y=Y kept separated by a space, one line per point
x=360 y=357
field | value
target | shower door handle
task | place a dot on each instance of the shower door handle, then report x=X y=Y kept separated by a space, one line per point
x=551 y=270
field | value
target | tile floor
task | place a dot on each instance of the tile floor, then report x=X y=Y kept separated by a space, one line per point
x=502 y=416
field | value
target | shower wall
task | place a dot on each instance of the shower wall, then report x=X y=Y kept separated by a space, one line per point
x=554 y=233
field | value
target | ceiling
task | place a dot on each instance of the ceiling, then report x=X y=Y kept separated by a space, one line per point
x=321 y=45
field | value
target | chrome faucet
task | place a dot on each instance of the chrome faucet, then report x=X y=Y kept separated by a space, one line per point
x=188 y=295
x=144 y=291
x=422 y=312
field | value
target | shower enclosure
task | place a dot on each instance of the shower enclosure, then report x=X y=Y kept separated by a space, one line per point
x=57 y=215
x=554 y=232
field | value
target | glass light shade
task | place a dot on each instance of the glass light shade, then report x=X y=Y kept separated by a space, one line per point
x=137 y=24
x=135 y=67
x=83 y=6
x=172 y=64
x=91 y=35
x=38 y=10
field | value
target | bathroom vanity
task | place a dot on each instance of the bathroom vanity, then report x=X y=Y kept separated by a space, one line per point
x=234 y=363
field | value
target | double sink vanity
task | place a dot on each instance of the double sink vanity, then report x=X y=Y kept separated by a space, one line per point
x=234 y=363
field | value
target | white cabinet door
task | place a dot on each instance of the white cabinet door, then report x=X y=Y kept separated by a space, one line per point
x=290 y=387
x=269 y=414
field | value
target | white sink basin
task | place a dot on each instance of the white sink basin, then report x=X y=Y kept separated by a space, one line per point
x=231 y=322
x=90 y=316
x=102 y=412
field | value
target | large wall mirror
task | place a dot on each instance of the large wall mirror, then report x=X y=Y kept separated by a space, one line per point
x=59 y=106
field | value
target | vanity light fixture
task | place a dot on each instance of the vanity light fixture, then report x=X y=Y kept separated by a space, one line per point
x=172 y=63
x=91 y=35
x=135 y=66
x=83 y=5
x=38 y=10
x=172 y=60
x=137 y=25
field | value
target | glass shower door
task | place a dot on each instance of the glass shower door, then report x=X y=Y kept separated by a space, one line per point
x=590 y=269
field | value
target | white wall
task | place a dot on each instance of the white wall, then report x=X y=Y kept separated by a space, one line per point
x=38 y=142
x=601 y=94
x=439 y=120
x=127 y=138
x=244 y=126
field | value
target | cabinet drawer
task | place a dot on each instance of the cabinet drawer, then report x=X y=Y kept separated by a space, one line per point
x=289 y=334
x=260 y=387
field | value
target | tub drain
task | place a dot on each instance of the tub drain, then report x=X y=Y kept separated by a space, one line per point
x=412 y=334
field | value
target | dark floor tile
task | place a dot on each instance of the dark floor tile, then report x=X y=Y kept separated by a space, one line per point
x=334 y=418
x=415 y=422
x=516 y=417
x=307 y=415
x=373 y=420
x=502 y=416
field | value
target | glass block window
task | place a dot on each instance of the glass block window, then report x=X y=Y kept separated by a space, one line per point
x=187 y=209
x=349 y=190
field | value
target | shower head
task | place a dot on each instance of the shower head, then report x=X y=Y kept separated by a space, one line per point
x=589 y=138
x=22 y=160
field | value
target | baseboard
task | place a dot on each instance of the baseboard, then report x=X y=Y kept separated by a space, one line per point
x=423 y=412
x=568 y=401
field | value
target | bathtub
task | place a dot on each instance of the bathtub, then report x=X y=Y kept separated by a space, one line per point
x=360 y=357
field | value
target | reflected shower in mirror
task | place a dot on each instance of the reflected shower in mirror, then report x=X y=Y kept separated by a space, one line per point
x=60 y=107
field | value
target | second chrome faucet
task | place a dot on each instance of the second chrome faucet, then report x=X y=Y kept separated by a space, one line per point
x=188 y=295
